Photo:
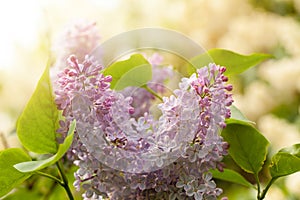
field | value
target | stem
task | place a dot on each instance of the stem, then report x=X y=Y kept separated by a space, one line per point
x=65 y=180
x=258 y=186
x=152 y=92
x=4 y=141
x=50 y=176
x=263 y=194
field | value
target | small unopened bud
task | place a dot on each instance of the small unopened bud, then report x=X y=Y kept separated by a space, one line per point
x=229 y=87
x=224 y=78
x=108 y=78
x=72 y=58
x=222 y=69
x=131 y=111
x=220 y=167
x=206 y=90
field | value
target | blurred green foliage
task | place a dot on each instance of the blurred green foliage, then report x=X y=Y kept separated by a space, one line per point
x=279 y=7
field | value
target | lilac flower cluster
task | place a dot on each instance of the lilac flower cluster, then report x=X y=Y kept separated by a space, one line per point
x=80 y=38
x=121 y=155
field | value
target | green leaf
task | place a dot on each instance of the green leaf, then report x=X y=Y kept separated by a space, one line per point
x=38 y=123
x=9 y=176
x=294 y=150
x=41 y=164
x=25 y=193
x=286 y=161
x=234 y=63
x=136 y=71
x=231 y=176
x=237 y=117
x=283 y=164
x=248 y=147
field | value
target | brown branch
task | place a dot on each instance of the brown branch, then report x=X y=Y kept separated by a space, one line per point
x=4 y=141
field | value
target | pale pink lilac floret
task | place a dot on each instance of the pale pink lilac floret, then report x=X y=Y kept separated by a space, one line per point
x=191 y=118
x=79 y=38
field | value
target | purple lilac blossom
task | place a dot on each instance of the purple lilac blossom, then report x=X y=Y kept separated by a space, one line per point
x=188 y=129
x=79 y=38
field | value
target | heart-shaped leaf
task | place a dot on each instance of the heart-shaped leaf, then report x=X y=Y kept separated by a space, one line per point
x=9 y=176
x=136 y=71
x=286 y=161
x=31 y=166
x=248 y=147
x=38 y=123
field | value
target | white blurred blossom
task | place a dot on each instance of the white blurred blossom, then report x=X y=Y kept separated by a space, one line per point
x=275 y=193
x=7 y=140
x=283 y=76
x=293 y=183
x=278 y=131
x=257 y=100
x=246 y=35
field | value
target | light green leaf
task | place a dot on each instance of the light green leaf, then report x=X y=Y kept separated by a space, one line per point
x=231 y=176
x=136 y=71
x=286 y=161
x=9 y=176
x=294 y=150
x=235 y=63
x=41 y=164
x=237 y=117
x=24 y=193
x=38 y=123
x=248 y=147
x=283 y=164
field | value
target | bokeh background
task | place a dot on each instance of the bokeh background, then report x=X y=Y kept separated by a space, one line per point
x=268 y=94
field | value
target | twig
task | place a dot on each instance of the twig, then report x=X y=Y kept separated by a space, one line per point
x=65 y=181
x=267 y=188
x=4 y=141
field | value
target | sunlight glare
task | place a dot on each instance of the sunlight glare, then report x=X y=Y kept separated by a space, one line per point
x=19 y=21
